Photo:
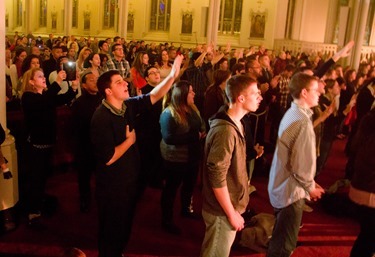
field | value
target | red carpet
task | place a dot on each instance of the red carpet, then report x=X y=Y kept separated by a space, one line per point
x=322 y=234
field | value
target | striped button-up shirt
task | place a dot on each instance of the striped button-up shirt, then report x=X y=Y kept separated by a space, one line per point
x=294 y=162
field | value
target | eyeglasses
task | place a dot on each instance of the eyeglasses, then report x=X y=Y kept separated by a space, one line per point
x=313 y=90
x=154 y=72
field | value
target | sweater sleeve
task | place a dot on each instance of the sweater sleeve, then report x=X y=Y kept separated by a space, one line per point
x=303 y=156
x=324 y=68
x=219 y=158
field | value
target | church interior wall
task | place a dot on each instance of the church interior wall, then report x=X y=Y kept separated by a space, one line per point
x=309 y=24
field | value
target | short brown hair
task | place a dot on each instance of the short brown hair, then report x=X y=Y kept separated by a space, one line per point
x=236 y=85
x=105 y=80
x=299 y=82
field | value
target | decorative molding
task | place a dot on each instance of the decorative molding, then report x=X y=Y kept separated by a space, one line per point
x=185 y=37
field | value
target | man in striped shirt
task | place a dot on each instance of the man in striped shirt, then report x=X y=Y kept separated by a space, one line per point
x=293 y=167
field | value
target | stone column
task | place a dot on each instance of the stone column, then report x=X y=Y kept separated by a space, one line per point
x=8 y=187
x=123 y=17
x=360 y=32
x=29 y=21
x=331 y=21
x=68 y=17
x=213 y=21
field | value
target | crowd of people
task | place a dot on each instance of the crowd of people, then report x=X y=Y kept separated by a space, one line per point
x=161 y=115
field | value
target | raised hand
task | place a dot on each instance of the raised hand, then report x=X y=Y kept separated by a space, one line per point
x=345 y=51
x=177 y=65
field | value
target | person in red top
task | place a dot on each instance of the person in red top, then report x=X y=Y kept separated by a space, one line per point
x=138 y=68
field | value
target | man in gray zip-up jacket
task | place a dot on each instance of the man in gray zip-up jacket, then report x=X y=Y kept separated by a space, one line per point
x=225 y=181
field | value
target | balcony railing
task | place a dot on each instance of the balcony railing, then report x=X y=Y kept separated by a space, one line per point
x=295 y=47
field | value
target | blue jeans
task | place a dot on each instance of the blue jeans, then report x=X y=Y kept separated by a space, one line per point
x=219 y=236
x=285 y=233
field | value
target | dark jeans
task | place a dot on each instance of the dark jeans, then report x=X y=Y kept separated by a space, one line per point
x=175 y=174
x=151 y=161
x=85 y=168
x=285 y=233
x=39 y=168
x=364 y=246
x=115 y=213
x=325 y=149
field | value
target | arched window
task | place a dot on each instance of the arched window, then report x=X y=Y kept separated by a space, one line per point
x=43 y=13
x=230 y=17
x=75 y=14
x=160 y=15
x=109 y=14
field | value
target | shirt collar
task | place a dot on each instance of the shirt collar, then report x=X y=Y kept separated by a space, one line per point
x=307 y=111
x=113 y=109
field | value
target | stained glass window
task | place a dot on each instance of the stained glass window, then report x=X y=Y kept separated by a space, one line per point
x=109 y=14
x=230 y=17
x=160 y=15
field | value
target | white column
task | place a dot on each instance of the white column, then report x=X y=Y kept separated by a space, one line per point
x=123 y=17
x=211 y=6
x=333 y=8
x=8 y=187
x=372 y=35
x=354 y=19
x=361 y=26
x=28 y=17
x=281 y=18
x=68 y=17
x=213 y=21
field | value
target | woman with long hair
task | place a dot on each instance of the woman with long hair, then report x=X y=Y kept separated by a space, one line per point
x=30 y=62
x=138 y=69
x=72 y=54
x=15 y=69
x=164 y=65
x=181 y=128
x=103 y=63
x=39 y=108
x=92 y=63
x=83 y=54
x=130 y=56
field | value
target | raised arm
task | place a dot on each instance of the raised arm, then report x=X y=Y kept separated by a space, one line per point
x=160 y=90
x=344 y=52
